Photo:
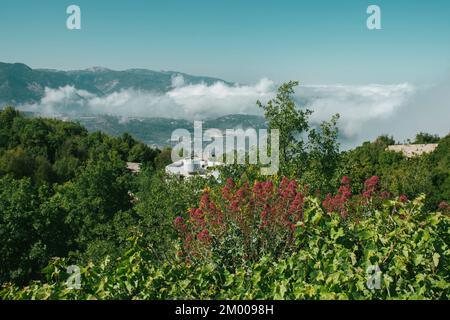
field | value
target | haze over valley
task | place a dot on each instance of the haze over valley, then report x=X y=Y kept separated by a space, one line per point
x=151 y=104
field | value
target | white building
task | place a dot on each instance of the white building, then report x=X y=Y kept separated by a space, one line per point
x=412 y=150
x=134 y=167
x=194 y=167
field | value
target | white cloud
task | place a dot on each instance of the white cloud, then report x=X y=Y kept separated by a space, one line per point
x=366 y=111
x=428 y=110
x=61 y=98
x=203 y=101
x=200 y=101
x=357 y=105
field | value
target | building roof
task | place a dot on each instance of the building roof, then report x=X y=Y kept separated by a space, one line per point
x=134 y=167
x=412 y=150
x=190 y=167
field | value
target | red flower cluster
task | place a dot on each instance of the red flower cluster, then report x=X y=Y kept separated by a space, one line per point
x=179 y=224
x=204 y=236
x=227 y=189
x=345 y=180
x=370 y=186
x=260 y=213
x=263 y=218
x=338 y=203
x=286 y=207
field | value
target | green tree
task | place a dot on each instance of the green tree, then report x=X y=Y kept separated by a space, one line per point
x=17 y=162
x=323 y=156
x=94 y=197
x=29 y=234
x=43 y=172
x=161 y=199
x=141 y=153
x=308 y=153
x=385 y=140
x=7 y=117
x=164 y=158
x=426 y=138
x=283 y=114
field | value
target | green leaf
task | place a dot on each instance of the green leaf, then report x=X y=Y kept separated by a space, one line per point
x=436 y=257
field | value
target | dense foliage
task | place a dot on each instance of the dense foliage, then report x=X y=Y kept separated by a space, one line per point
x=332 y=260
x=63 y=192
x=428 y=174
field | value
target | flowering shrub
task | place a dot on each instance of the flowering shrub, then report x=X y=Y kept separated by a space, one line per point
x=357 y=206
x=241 y=223
x=272 y=241
x=331 y=261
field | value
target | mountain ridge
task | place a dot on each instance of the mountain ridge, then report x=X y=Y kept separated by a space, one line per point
x=20 y=83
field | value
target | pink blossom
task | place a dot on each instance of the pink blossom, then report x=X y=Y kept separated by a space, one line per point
x=204 y=236
x=345 y=180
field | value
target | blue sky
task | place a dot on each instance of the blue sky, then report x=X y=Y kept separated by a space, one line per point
x=315 y=42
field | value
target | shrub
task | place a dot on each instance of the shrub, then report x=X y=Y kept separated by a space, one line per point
x=242 y=223
x=331 y=261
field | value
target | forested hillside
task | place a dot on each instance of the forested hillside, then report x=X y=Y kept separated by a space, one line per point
x=22 y=84
x=309 y=232
x=62 y=189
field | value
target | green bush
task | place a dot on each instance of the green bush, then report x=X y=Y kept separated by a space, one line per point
x=333 y=255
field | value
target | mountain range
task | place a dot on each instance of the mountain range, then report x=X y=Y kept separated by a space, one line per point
x=21 y=84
